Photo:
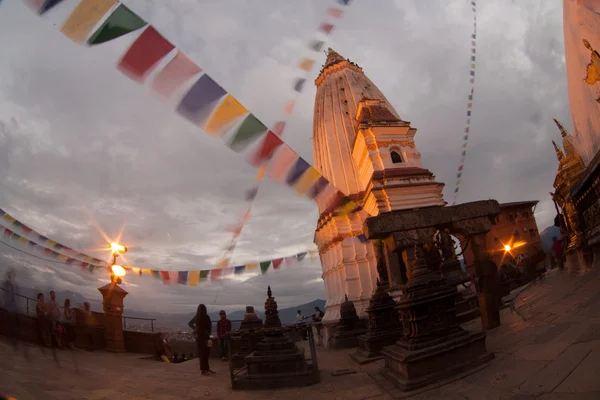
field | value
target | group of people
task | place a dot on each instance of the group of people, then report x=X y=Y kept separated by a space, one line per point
x=316 y=318
x=54 y=326
x=202 y=326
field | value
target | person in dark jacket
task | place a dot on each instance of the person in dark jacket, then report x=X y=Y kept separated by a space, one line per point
x=202 y=326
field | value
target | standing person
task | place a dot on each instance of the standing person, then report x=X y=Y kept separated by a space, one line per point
x=44 y=324
x=90 y=323
x=202 y=327
x=9 y=303
x=54 y=310
x=299 y=317
x=223 y=328
x=557 y=249
x=317 y=317
x=68 y=323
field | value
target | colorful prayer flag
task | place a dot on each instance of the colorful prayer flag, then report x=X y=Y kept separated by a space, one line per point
x=204 y=274
x=84 y=17
x=317 y=45
x=300 y=256
x=164 y=275
x=264 y=266
x=48 y=5
x=299 y=167
x=215 y=274
x=251 y=194
x=121 y=22
x=265 y=151
x=290 y=260
x=306 y=64
x=326 y=28
x=278 y=128
x=321 y=184
x=470 y=105
x=344 y=2
x=177 y=71
x=248 y=131
x=143 y=55
x=299 y=84
x=226 y=114
x=182 y=277
x=239 y=270
x=334 y=12
x=289 y=107
x=472 y=73
x=251 y=266
x=202 y=98
x=306 y=181
x=277 y=262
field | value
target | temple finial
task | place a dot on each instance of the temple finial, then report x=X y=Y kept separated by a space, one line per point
x=333 y=57
x=346 y=296
x=269 y=293
x=563 y=132
x=559 y=153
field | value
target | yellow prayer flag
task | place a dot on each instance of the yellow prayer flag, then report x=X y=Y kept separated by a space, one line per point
x=225 y=115
x=24 y=240
x=308 y=178
x=8 y=218
x=306 y=64
x=260 y=174
x=457 y=182
x=147 y=271
x=193 y=278
x=84 y=18
x=51 y=243
x=251 y=266
x=347 y=209
x=62 y=257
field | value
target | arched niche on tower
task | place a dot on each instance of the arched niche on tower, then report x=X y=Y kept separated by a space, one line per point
x=396 y=155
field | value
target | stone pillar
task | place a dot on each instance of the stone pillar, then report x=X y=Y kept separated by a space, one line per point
x=112 y=303
x=488 y=283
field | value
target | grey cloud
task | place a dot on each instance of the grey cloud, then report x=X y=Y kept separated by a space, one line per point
x=83 y=148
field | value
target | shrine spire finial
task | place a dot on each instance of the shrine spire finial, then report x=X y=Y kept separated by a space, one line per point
x=563 y=132
x=333 y=57
x=559 y=153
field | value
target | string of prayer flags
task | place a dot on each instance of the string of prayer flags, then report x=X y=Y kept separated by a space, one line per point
x=177 y=71
x=84 y=18
x=463 y=154
x=47 y=252
x=121 y=22
x=41 y=240
x=143 y=55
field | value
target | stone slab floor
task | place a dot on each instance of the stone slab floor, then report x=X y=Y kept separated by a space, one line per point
x=548 y=348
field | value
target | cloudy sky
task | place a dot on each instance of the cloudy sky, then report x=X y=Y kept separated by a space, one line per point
x=83 y=149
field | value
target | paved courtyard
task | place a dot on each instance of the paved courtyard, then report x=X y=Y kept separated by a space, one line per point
x=548 y=348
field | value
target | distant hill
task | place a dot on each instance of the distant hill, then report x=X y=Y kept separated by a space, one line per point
x=546 y=236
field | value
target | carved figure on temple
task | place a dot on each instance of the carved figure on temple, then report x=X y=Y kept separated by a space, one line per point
x=593 y=68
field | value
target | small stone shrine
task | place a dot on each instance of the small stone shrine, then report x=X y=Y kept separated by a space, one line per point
x=244 y=340
x=434 y=346
x=345 y=334
x=276 y=362
x=384 y=326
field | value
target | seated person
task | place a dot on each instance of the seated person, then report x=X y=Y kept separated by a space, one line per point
x=163 y=349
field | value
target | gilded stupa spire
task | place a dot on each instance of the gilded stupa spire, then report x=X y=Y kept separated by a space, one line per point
x=563 y=132
x=559 y=152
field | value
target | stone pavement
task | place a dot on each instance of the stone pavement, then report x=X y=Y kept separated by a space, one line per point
x=547 y=348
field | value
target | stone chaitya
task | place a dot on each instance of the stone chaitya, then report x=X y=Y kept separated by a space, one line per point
x=276 y=361
x=384 y=326
x=434 y=346
x=244 y=340
x=345 y=334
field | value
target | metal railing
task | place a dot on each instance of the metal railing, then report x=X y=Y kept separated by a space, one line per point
x=30 y=305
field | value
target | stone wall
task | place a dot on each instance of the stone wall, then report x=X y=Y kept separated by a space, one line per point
x=140 y=342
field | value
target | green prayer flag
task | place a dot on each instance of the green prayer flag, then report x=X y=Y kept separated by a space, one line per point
x=248 y=131
x=204 y=274
x=264 y=266
x=119 y=23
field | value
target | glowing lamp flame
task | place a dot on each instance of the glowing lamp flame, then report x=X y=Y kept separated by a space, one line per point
x=117 y=248
x=506 y=247
x=118 y=270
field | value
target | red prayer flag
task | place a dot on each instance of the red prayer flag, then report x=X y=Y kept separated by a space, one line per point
x=215 y=274
x=143 y=55
x=277 y=263
x=326 y=28
x=268 y=146
x=278 y=128
x=174 y=74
